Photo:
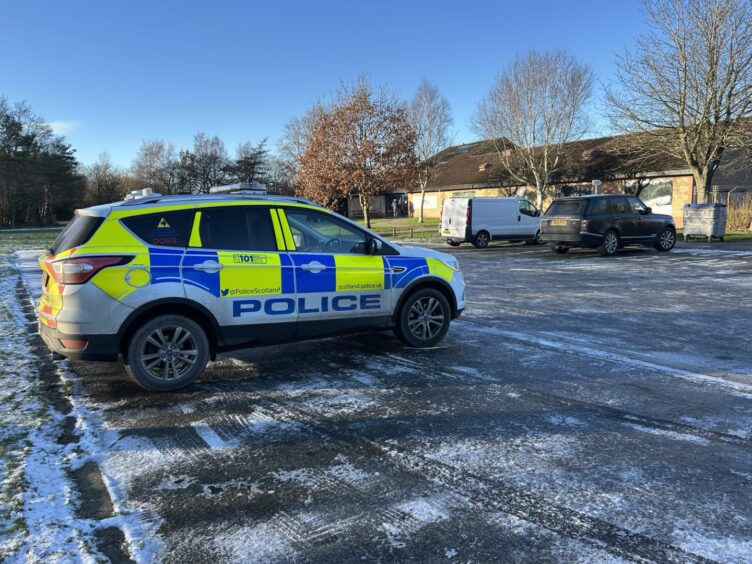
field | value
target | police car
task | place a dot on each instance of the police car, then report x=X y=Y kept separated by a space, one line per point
x=170 y=281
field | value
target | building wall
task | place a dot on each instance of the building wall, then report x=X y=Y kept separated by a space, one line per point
x=682 y=194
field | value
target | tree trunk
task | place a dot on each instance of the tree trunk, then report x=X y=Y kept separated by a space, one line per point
x=702 y=185
x=539 y=188
x=422 y=202
x=364 y=205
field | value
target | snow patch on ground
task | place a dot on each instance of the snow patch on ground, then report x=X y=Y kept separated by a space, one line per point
x=49 y=508
x=692 y=537
x=414 y=515
x=264 y=542
x=311 y=478
x=672 y=434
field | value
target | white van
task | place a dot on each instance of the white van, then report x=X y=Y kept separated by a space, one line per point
x=482 y=220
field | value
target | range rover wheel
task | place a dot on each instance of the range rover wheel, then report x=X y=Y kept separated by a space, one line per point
x=666 y=240
x=424 y=318
x=482 y=239
x=558 y=248
x=610 y=244
x=167 y=353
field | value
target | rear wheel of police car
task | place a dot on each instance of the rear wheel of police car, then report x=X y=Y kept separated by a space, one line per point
x=167 y=353
x=424 y=318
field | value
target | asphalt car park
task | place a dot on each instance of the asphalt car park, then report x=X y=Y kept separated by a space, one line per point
x=581 y=409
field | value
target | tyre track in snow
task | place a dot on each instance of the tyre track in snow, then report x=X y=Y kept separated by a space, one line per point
x=599 y=410
x=488 y=493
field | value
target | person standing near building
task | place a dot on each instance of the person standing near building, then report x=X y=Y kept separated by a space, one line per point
x=395 y=207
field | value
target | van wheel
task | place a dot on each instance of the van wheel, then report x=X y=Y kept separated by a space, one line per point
x=610 y=244
x=535 y=240
x=167 y=353
x=666 y=240
x=423 y=319
x=482 y=239
x=558 y=248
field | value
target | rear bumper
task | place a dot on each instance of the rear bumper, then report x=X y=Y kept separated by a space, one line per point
x=589 y=240
x=98 y=347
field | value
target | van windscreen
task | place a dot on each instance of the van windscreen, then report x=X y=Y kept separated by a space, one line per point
x=566 y=207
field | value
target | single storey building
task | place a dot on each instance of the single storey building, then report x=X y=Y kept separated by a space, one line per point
x=588 y=166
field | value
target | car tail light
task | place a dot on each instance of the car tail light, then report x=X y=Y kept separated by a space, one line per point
x=80 y=270
x=583 y=225
x=467 y=216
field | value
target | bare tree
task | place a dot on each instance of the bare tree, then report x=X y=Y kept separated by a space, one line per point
x=431 y=118
x=362 y=144
x=104 y=182
x=687 y=86
x=296 y=137
x=536 y=106
x=209 y=163
x=156 y=165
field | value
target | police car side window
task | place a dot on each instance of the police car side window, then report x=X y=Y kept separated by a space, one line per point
x=317 y=232
x=238 y=228
x=166 y=229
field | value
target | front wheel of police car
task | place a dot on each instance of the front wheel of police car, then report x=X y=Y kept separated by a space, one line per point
x=167 y=353
x=423 y=318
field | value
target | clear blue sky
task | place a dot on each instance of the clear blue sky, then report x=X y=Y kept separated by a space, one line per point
x=110 y=74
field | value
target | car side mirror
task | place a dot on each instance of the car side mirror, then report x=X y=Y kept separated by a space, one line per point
x=537 y=213
x=373 y=247
x=647 y=211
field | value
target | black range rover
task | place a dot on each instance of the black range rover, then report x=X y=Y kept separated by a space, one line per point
x=607 y=223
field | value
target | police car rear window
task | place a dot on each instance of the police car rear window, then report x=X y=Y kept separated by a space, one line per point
x=78 y=231
x=166 y=229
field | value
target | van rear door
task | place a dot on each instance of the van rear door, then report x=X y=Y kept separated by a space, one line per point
x=454 y=218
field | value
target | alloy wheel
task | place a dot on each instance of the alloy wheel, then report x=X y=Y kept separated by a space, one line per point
x=426 y=318
x=611 y=243
x=667 y=239
x=168 y=353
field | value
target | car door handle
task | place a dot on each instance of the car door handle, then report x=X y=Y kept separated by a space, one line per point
x=315 y=267
x=519 y=218
x=208 y=266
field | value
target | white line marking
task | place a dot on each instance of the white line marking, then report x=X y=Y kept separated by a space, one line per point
x=211 y=438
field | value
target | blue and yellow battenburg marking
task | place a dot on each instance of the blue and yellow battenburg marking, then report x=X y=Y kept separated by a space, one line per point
x=248 y=274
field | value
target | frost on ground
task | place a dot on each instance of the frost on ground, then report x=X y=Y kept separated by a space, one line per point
x=38 y=501
x=37 y=520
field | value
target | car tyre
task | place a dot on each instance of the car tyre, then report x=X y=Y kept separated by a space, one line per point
x=167 y=353
x=558 y=248
x=666 y=240
x=423 y=319
x=609 y=244
x=482 y=239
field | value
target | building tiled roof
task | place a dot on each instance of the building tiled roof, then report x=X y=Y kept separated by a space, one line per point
x=478 y=164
